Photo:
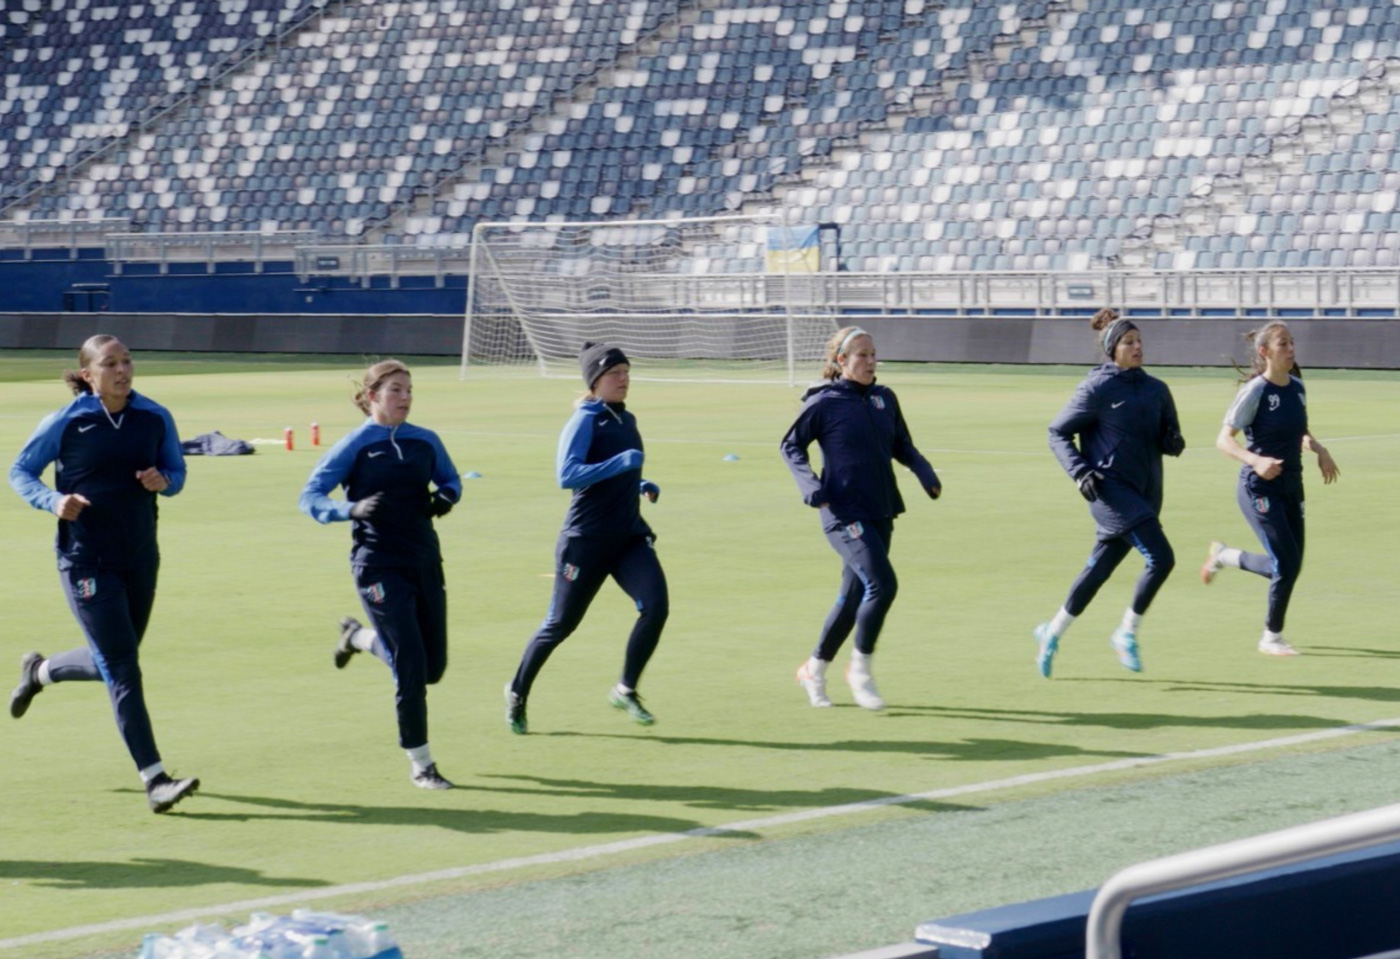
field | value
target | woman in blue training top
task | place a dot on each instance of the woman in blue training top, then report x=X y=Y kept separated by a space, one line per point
x=398 y=478
x=114 y=451
x=860 y=429
x=1124 y=420
x=600 y=459
x=1272 y=410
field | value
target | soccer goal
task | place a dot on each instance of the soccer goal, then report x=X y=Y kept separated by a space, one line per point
x=735 y=297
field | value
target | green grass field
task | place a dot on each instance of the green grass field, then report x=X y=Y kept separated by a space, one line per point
x=304 y=788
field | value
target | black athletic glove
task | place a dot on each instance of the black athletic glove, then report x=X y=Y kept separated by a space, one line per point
x=364 y=509
x=439 y=504
x=1089 y=485
x=1173 y=443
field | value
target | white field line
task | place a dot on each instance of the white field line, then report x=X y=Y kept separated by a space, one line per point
x=603 y=850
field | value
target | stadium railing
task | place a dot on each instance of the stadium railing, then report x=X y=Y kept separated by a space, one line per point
x=1271 y=850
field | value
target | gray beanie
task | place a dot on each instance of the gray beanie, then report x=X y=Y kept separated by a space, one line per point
x=595 y=359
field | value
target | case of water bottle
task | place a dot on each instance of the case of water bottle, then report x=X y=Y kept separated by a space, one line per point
x=305 y=934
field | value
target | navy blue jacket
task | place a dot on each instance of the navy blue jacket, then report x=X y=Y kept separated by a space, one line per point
x=1124 y=419
x=98 y=456
x=398 y=462
x=600 y=458
x=860 y=431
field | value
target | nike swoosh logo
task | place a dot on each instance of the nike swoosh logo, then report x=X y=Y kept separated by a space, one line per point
x=1116 y=405
x=90 y=426
x=375 y=453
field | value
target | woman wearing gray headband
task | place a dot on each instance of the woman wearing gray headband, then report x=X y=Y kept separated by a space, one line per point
x=1124 y=420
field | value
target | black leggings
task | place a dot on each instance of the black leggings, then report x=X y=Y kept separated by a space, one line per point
x=1149 y=540
x=582 y=566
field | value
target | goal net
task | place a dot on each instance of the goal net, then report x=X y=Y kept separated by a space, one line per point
x=737 y=297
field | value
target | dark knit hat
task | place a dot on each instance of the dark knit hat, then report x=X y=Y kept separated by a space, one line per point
x=595 y=359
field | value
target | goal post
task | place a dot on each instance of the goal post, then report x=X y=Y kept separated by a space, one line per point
x=707 y=298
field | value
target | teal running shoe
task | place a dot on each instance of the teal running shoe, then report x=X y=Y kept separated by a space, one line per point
x=1048 y=644
x=1125 y=645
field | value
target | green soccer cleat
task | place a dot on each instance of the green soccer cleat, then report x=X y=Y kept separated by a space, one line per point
x=631 y=703
x=515 y=712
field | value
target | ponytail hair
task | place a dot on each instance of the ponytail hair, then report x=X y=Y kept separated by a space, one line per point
x=87 y=353
x=836 y=347
x=374 y=378
x=1259 y=338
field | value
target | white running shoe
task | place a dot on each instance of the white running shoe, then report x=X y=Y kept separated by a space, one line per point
x=864 y=691
x=814 y=685
x=1212 y=564
x=1276 y=647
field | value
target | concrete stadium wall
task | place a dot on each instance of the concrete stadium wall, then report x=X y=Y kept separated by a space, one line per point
x=1322 y=343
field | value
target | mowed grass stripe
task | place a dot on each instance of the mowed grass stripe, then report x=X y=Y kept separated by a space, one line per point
x=306 y=790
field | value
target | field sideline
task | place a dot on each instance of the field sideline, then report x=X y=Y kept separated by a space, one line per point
x=305 y=789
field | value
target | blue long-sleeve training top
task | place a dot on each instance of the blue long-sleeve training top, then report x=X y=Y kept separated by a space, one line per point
x=398 y=462
x=97 y=456
x=600 y=458
x=1123 y=418
x=860 y=431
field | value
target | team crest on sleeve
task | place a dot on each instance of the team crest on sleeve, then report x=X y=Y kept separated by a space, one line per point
x=569 y=571
x=856 y=530
x=877 y=401
x=85 y=588
x=1261 y=505
x=374 y=592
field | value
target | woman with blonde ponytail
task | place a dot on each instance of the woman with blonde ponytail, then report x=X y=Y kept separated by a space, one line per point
x=858 y=425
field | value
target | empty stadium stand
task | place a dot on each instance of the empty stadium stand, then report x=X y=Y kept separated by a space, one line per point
x=1209 y=134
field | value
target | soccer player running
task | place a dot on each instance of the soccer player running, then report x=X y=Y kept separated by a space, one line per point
x=114 y=451
x=1124 y=420
x=860 y=430
x=600 y=459
x=398 y=478
x=1271 y=408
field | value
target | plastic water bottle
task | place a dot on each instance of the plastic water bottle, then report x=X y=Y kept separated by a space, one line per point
x=360 y=937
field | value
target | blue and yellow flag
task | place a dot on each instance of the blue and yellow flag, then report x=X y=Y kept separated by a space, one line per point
x=793 y=249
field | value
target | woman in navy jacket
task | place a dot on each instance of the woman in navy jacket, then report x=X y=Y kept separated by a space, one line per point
x=114 y=451
x=386 y=466
x=1272 y=410
x=600 y=459
x=859 y=427
x=1124 y=420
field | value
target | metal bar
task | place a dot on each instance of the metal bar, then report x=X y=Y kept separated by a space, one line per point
x=1213 y=863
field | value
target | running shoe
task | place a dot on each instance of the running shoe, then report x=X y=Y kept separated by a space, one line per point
x=1125 y=645
x=863 y=689
x=29 y=685
x=163 y=792
x=1212 y=564
x=1277 y=647
x=515 y=712
x=429 y=778
x=814 y=685
x=1047 y=644
x=344 y=649
x=631 y=704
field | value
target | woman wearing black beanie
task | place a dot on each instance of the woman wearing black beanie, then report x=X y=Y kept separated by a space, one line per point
x=600 y=460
